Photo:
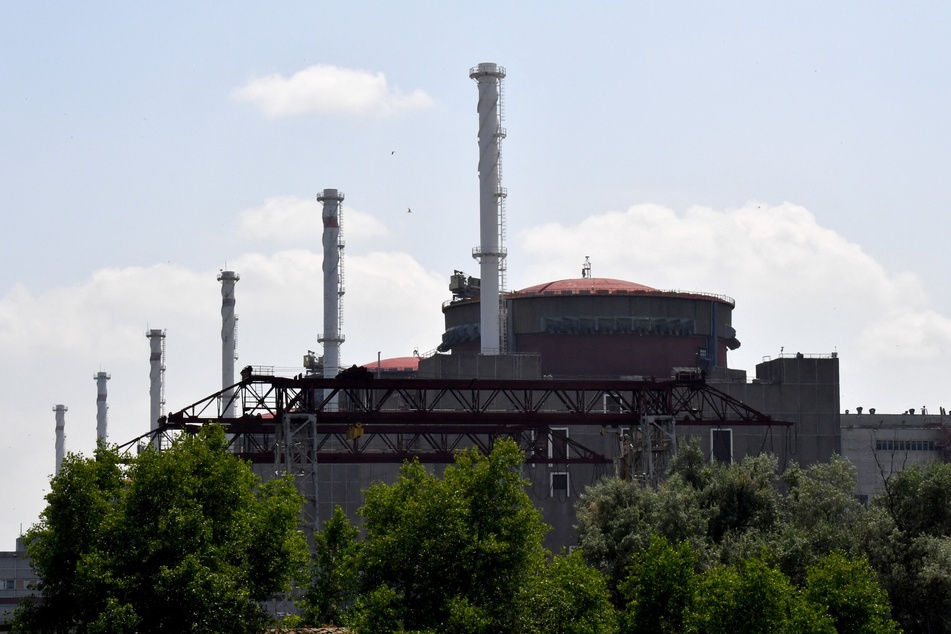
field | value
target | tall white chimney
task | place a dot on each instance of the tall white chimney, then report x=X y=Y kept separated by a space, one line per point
x=490 y=251
x=156 y=379
x=229 y=351
x=102 y=408
x=60 y=435
x=331 y=338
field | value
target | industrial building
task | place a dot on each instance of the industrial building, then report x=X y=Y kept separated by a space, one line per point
x=597 y=327
x=880 y=445
x=592 y=376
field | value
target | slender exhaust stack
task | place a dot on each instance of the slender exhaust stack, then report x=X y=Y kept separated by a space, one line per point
x=333 y=282
x=60 y=435
x=229 y=351
x=156 y=380
x=490 y=252
x=102 y=408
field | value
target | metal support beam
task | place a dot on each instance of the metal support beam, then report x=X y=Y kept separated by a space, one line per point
x=392 y=420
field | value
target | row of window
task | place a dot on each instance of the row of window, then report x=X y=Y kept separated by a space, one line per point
x=905 y=445
x=721 y=445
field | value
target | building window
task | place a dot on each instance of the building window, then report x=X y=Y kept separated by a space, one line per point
x=905 y=445
x=721 y=446
x=558 y=443
x=559 y=483
x=7 y=584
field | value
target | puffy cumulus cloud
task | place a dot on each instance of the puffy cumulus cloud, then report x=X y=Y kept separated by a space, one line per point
x=54 y=342
x=325 y=89
x=391 y=305
x=106 y=313
x=797 y=284
x=290 y=220
x=396 y=308
x=900 y=333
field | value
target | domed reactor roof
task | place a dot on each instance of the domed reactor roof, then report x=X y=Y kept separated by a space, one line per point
x=394 y=366
x=603 y=327
x=585 y=285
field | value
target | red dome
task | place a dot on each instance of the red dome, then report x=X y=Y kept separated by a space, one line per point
x=585 y=285
x=396 y=364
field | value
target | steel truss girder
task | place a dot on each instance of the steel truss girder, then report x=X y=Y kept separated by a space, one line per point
x=431 y=419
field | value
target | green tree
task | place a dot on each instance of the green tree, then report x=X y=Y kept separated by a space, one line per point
x=659 y=588
x=452 y=553
x=848 y=590
x=742 y=497
x=65 y=546
x=690 y=464
x=186 y=539
x=820 y=502
x=730 y=512
x=618 y=518
x=333 y=571
x=908 y=542
x=754 y=598
x=567 y=597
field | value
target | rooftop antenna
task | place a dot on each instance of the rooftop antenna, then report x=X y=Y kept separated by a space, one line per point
x=491 y=251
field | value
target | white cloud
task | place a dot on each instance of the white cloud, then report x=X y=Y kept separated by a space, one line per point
x=797 y=284
x=289 y=220
x=55 y=341
x=328 y=89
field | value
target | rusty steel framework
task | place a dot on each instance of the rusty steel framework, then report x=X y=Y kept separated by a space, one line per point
x=392 y=420
x=296 y=424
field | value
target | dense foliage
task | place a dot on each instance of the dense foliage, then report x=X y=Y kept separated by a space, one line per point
x=908 y=540
x=190 y=540
x=458 y=553
x=183 y=540
x=720 y=548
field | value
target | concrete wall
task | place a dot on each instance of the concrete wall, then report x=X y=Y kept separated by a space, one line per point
x=479 y=366
x=803 y=390
x=606 y=334
x=880 y=445
x=16 y=580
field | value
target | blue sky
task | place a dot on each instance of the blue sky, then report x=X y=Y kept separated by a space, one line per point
x=793 y=157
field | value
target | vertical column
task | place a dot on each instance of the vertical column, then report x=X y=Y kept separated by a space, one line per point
x=331 y=338
x=228 y=346
x=489 y=252
x=60 y=435
x=102 y=408
x=156 y=380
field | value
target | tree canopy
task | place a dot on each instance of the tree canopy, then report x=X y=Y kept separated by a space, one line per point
x=456 y=553
x=908 y=541
x=457 y=547
x=186 y=539
x=714 y=546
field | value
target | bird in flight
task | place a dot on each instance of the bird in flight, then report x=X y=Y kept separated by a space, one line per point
x=408 y=210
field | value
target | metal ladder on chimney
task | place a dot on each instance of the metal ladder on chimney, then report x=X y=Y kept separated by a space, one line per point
x=501 y=195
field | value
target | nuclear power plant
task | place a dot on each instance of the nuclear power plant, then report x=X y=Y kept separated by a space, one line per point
x=592 y=376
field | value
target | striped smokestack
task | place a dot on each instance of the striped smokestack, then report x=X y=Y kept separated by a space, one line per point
x=331 y=338
x=490 y=251
x=60 y=435
x=102 y=408
x=228 y=348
